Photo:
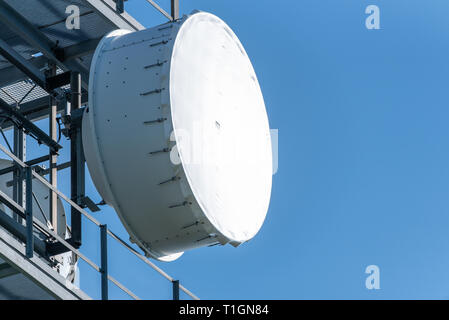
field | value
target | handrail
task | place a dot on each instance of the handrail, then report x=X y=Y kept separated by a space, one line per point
x=151 y=264
x=121 y=286
x=140 y=256
x=93 y=220
x=158 y=8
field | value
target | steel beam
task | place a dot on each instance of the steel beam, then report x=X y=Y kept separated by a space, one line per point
x=175 y=9
x=80 y=49
x=13 y=252
x=22 y=64
x=19 y=231
x=6 y=270
x=27 y=30
x=29 y=126
x=107 y=9
x=43 y=172
x=120 y=6
x=53 y=197
x=175 y=284
x=34 y=110
x=29 y=212
x=55 y=81
x=61 y=166
x=19 y=148
x=12 y=74
x=17 y=172
x=76 y=157
x=40 y=246
x=158 y=8
x=35 y=37
x=28 y=163
x=104 y=262
x=38 y=109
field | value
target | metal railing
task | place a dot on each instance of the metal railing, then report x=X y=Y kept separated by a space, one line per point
x=32 y=222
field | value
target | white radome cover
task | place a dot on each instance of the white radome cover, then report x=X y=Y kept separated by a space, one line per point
x=176 y=136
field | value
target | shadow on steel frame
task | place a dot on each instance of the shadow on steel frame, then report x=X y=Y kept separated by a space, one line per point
x=173 y=15
x=33 y=246
x=32 y=223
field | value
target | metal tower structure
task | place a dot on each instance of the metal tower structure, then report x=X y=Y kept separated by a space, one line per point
x=44 y=73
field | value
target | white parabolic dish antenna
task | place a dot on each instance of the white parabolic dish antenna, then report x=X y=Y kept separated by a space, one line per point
x=176 y=136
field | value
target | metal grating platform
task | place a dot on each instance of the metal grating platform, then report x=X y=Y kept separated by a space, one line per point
x=48 y=17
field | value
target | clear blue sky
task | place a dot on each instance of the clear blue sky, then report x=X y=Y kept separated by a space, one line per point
x=363 y=157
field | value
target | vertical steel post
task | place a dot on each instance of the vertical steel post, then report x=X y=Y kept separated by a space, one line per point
x=120 y=7
x=175 y=289
x=22 y=156
x=104 y=261
x=175 y=9
x=29 y=212
x=19 y=149
x=16 y=173
x=53 y=198
x=75 y=139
